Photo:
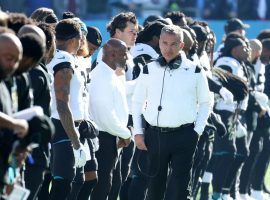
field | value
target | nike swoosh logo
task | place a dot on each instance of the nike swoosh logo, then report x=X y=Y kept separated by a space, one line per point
x=140 y=49
x=61 y=57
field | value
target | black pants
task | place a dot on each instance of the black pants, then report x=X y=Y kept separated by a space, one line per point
x=202 y=158
x=262 y=164
x=106 y=157
x=120 y=173
x=44 y=190
x=224 y=153
x=139 y=180
x=255 y=148
x=34 y=176
x=116 y=181
x=177 y=150
x=241 y=156
x=125 y=189
x=35 y=169
x=126 y=159
x=127 y=156
x=62 y=164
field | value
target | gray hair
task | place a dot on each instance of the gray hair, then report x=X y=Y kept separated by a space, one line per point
x=174 y=30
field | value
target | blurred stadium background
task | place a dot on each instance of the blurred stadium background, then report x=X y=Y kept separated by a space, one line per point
x=98 y=12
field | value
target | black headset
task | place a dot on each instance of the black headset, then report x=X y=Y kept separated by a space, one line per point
x=173 y=64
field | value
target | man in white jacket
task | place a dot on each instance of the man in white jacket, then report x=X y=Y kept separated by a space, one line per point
x=109 y=109
x=173 y=95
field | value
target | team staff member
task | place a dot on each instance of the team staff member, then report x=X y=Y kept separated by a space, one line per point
x=145 y=50
x=124 y=27
x=67 y=108
x=174 y=127
x=109 y=109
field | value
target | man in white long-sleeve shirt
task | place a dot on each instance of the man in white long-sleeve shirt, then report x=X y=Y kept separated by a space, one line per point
x=173 y=95
x=124 y=27
x=109 y=110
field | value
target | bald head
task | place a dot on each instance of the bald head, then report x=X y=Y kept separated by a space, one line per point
x=10 y=54
x=115 y=53
x=29 y=28
x=10 y=39
x=256 y=48
x=113 y=45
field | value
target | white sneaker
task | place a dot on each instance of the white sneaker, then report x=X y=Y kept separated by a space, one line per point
x=246 y=197
x=226 y=197
x=258 y=195
x=266 y=196
x=237 y=196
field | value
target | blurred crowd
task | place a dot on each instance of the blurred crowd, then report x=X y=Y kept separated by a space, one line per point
x=158 y=114
x=207 y=9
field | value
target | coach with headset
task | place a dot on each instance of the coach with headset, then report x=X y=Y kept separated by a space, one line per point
x=172 y=94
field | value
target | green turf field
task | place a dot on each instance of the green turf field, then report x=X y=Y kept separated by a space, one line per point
x=267 y=180
x=267 y=177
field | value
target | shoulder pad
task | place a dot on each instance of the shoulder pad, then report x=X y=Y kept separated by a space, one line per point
x=62 y=56
x=145 y=69
x=198 y=69
x=231 y=62
x=226 y=68
x=62 y=65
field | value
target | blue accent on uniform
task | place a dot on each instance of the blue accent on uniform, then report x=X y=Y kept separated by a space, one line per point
x=31 y=159
x=240 y=155
x=11 y=175
x=221 y=153
x=135 y=176
x=60 y=141
x=216 y=195
x=58 y=177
